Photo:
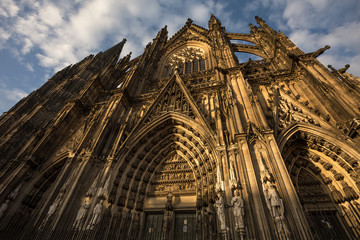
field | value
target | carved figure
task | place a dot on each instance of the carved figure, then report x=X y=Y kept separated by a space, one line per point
x=53 y=208
x=169 y=198
x=220 y=209
x=14 y=193
x=276 y=207
x=96 y=215
x=273 y=201
x=3 y=207
x=237 y=203
x=81 y=214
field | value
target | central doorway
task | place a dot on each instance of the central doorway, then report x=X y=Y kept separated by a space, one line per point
x=183 y=227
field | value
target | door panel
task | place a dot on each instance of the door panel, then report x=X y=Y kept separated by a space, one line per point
x=185 y=226
x=153 y=226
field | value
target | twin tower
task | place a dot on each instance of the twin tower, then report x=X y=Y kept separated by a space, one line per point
x=186 y=142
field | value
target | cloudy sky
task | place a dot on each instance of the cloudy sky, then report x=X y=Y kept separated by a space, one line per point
x=38 y=38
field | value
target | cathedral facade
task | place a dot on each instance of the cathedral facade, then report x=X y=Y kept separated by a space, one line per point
x=186 y=142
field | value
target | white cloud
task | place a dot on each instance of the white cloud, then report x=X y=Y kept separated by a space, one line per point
x=8 y=97
x=4 y=36
x=26 y=46
x=8 y=8
x=29 y=67
x=314 y=24
x=60 y=33
x=50 y=15
x=64 y=32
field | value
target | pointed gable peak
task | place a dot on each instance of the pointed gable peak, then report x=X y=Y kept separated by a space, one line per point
x=188 y=22
x=173 y=98
x=189 y=31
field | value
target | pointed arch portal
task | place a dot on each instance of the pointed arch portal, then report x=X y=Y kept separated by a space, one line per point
x=325 y=180
x=172 y=154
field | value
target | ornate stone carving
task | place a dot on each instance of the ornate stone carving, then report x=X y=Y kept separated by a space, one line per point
x=276 y=207
x=336 y=194
x=169 y=200
x=232 y=181
x=184 y=55
x=81 y=214
x=220 y=210
x=3 y=207
x=95 y=219
x=174 y=175
x=238 y=205
x=289 y=113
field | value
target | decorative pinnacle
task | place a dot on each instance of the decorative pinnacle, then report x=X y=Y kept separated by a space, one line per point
x=259 y=19
x=189 y=22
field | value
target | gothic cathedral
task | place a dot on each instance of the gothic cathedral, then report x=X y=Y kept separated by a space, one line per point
x=186 y=142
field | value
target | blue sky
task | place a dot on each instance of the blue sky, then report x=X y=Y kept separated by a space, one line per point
x=38 y=38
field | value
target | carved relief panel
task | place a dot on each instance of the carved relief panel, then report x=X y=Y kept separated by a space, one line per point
x=174 y=175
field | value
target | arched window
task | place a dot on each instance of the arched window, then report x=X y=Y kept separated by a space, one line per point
x=187 y=60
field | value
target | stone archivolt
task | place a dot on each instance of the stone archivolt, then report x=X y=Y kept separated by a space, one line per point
x=185 y=142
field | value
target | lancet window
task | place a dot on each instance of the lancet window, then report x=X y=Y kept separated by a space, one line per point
x=186 y=61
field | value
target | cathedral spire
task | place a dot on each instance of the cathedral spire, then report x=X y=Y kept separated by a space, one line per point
x=114 y=52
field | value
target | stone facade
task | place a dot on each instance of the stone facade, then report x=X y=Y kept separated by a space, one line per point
x=186 y=142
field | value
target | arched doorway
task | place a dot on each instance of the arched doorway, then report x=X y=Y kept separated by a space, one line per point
x=324 y=177
x=167 y=181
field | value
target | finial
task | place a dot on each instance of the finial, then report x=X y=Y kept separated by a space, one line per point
x=259 y=19
x=189 y=22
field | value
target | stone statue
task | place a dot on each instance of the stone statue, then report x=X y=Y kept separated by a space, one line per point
x=53 y=208
x=273 y=201
x=14 y=193
x=96 y=215
x=238 y=204
x=169 y=199
x=3 y=207
x=220 y=210
x=276 y=207
x=81 y=213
